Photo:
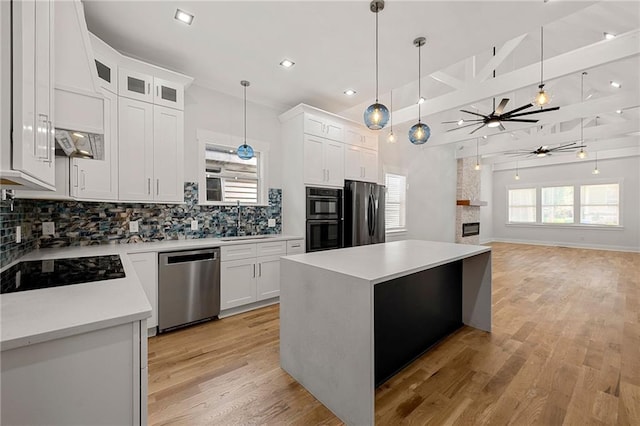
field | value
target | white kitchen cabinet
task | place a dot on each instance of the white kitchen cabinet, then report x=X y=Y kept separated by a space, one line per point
x=135 y=150
x=253 y=275
x=268 y=277
x=295 y=247
x=61 y=191
x=168 y=94
x=97 y=179
x=361 y=137
x=33 y=115
x=360 y=164
x=168 y=157
x=323 y=162
x=107 y=73
x=324 y=127
x=237 y=283
x=135 y=85
x=80 y=379
x=146 y=267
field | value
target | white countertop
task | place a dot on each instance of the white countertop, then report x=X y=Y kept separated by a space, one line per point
x=36 y=316
x=378 y=263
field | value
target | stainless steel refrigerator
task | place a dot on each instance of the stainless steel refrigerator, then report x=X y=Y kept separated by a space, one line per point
x=363 y=213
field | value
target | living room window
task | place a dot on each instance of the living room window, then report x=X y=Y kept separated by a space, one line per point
x=600 y=204
x=522 y=205
x=557 y=204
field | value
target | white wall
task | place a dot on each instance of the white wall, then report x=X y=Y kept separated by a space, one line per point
x=486 y=212
x=625 y=238
x=221 y=113
x=431 y=194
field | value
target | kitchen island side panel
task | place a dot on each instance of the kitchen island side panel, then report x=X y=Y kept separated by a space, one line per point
x=476 y=291
x=326 y=338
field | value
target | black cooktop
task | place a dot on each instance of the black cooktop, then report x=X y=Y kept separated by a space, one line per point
x=37 y=274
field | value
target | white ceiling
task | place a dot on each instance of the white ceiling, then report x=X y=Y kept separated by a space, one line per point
x=332 y=45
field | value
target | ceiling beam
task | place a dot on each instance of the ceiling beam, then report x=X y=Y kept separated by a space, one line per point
x=587 y=109
x=603 y=52
x=445 y=78
x=495 y=61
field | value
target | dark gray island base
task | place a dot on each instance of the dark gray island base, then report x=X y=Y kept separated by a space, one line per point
x=413 y=313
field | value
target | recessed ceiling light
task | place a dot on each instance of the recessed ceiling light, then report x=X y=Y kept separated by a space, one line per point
x=183 y=16
x=421 y=100
x=609 y=36
x=460 y=122
x=484 y=137
x=287 y=63
x=349 y=92
x=616 y=84
x=618 y=111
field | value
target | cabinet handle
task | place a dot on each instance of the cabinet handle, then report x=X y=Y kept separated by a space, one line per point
x=149 y=186
x=254 y=270
x=259 y=269
x=157 y=91
x=75 y=183
x=295 y=246
x=148 y=88
x=157 y=186
x=83 y=181
x=50 y=141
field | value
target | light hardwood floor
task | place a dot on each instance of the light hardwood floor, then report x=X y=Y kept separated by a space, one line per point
x=565 y=349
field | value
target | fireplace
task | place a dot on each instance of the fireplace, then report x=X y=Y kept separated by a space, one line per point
x=470 y=229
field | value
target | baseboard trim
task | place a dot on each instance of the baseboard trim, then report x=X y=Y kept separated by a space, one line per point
x=249 y=307
x=564 y=244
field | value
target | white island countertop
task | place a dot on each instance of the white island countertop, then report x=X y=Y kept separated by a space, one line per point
x=378 y=263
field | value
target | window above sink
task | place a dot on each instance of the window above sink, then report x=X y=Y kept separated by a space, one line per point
x=226 y=179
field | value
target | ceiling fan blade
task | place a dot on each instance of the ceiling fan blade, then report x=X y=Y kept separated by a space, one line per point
x=473 y=131
x=520 y=120
x=474 y=113
x=535 y=112
x=462 y=127
x=503 y=103
x=563 y=146
x=517 y=109
x=457 y=121
x=502 y=128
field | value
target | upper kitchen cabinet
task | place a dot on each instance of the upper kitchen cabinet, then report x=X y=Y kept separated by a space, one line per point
x=31 y=164
x=135 y=85
x=360 y=164
x=107 y=73
x=168 y=154
x=323 y=162
x=168 y=94
x=324 y=127
x=361 y=137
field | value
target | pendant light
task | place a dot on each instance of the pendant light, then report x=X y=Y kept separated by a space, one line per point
x=542 y=98
x=477 y=166
x=245 y=151
x=582 y=153
x=377 y=115
x=517 y=176
x=419 y=133
x=391 y=138
x=595 y=170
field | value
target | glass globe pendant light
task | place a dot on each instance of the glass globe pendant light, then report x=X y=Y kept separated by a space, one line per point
x=376 y=115
x=245 y=151
x=542 y=98
x=419 y=132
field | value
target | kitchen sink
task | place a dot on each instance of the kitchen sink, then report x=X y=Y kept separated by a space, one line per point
x=248 y=237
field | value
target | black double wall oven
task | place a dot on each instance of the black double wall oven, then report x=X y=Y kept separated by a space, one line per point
x=324 y=219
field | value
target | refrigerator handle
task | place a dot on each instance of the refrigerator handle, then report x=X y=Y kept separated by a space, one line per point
x=370 y=214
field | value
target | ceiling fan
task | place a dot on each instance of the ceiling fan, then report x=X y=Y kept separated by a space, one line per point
x=497 y=117
x=545 y=150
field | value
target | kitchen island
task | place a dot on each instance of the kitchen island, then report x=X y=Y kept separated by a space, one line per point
x=352 y=318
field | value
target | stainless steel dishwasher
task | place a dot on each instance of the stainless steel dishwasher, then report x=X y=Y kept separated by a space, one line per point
x=188 y=287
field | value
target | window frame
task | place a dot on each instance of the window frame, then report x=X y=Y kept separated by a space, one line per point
x=398 y=172
x=206 y=137
x=536 y=205
x=577 y=204
x=572 y=205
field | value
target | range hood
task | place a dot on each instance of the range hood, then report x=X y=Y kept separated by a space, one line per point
x=79 y=104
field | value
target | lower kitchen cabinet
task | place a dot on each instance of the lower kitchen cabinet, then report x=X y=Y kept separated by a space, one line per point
x=237 y=283
x=88 y=378
x=146 y=267
x=268 y=279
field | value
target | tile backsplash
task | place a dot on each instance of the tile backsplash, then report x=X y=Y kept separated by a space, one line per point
x=79 y=223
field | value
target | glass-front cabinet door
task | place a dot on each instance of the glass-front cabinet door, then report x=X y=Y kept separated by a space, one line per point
x=169 y=94
x=107 y=73
x=135 y=85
